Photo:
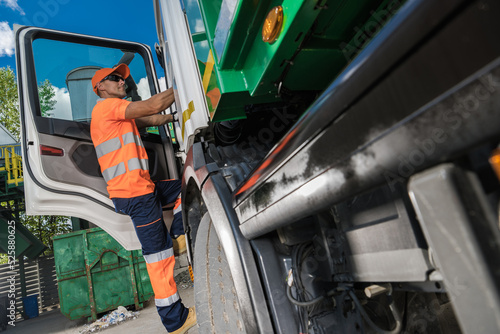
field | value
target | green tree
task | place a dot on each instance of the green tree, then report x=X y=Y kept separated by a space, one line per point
x=9 y=114
x=43 y=227
x=46 y=94
x=9 y=105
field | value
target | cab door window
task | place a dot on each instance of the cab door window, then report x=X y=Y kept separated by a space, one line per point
x=60 y=70
x=64 y=71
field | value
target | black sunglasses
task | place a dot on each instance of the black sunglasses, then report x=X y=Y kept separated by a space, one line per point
x=113 y=77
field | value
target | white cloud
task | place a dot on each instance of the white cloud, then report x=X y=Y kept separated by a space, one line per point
x=143 y=89
x=199 y=26
x=12 y=4
x=163 y=84
x=62 y=108
x=7 y=44
x=203 y=44
x=192 y=3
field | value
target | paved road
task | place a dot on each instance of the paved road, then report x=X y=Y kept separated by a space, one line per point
x=148 y=321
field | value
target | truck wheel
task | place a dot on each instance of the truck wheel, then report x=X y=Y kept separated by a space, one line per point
x=217 y=308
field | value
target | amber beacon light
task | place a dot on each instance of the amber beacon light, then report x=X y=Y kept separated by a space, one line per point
x=272 y=25
x=495 y=161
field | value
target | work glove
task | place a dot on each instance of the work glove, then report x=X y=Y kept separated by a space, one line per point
x=175 y=116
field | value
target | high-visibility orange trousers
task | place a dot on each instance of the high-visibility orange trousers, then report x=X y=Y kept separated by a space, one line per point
x=147 y=216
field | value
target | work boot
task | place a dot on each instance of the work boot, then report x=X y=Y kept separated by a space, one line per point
x=179 y=244
x=190 y=322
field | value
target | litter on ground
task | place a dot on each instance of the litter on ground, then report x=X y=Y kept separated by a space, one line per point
x=183 y=280
x=116 y=317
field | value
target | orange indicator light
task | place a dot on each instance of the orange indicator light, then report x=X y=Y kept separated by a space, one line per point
x=495 y=161
x=272 y=25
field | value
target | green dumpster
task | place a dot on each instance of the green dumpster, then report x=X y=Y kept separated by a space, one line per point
x=96 y=274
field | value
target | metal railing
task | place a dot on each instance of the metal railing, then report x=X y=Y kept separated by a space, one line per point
x=12 y=163
x=38 y=277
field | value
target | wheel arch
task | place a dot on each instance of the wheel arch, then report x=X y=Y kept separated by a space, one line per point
x=204 y=189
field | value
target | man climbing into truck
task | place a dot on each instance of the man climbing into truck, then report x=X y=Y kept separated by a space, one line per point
x=124 y=165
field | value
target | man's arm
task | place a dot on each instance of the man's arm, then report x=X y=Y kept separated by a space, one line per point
x=151 y=106
x=153 y=120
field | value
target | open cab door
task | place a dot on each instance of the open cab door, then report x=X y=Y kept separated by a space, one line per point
x=62 y=175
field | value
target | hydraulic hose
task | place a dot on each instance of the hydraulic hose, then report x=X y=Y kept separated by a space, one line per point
x=395 y=314
x=299 y=303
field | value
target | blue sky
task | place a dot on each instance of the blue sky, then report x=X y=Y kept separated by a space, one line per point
x=130 y=20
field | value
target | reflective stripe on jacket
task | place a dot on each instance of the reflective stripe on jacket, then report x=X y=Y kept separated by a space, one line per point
x=120 y=151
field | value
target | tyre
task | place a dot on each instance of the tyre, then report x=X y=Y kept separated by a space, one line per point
x=217 y=307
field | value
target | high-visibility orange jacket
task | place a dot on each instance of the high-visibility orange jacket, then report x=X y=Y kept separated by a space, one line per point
x=120 y=151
